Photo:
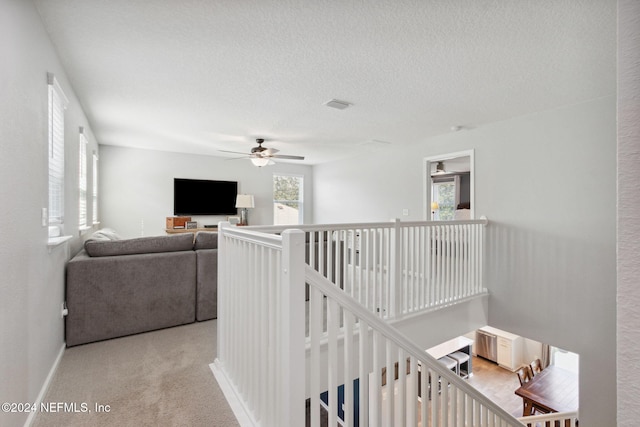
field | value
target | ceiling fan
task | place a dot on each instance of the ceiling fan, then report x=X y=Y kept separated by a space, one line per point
x=261 y=156
x=441 y=171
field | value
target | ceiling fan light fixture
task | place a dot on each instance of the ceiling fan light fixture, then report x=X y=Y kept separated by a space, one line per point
x=260 y=161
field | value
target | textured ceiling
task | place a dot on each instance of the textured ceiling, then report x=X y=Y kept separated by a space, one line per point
x=199 y=76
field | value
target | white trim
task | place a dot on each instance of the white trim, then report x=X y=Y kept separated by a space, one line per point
x=83 y=230
x=45 y=386
x=241 y=412
x=51 y=80
x=57 y=241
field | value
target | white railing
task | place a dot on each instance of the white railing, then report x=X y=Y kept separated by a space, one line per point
x=556 y=419
x=398 y=268
x=368 y=374
x=260 y=331
x=261 y=347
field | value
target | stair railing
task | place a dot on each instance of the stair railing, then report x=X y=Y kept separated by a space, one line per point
x=270 y=370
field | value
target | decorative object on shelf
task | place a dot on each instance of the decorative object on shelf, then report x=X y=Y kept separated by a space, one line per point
x=244 y=202
x=233 y=220
x=177 y=221
x=191 y=224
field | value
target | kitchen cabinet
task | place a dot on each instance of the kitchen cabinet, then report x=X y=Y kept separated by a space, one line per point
x=510 y=351
x=509 y=348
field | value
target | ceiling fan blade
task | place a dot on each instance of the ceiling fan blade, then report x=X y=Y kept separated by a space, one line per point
x=282 y=156
x=270 y=151
x=234 y=152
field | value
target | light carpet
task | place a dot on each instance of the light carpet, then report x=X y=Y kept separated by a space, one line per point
x=159 y=378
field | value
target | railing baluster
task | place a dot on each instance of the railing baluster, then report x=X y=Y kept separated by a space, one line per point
x=332 y=371
x=390 y=379
x=315 y=332
x=402 y=389
x=348 y=370
x=364 y=369
x=412 y=392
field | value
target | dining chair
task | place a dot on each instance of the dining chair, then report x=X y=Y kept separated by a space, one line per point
x=524 y=374
x=536 y=367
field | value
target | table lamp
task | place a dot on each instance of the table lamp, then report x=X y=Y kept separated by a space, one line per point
x=434 y=208
x=244 y=202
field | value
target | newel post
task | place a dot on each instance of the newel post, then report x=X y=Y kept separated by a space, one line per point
x=223 y=256
x=395 y=259
x=292 y=363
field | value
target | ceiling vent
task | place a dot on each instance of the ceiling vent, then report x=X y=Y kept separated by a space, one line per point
x=340 y=105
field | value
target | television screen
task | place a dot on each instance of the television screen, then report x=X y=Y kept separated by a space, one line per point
x=204 y=197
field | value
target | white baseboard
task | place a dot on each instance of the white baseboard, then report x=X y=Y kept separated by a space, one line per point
x=236 y=404
x=45 y=386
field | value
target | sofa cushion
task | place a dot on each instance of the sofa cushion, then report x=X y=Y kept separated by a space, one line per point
x=141 y=245
x=105 y=234
x=206 y=240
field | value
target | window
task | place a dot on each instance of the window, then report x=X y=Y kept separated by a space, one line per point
x=444 y=194
x=57 y=104
x=82 y=181
x=94 y=209
x=287 y=199
x=565 y=359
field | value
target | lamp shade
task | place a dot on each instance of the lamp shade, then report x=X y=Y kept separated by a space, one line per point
x=244 y=201
x=434 y=206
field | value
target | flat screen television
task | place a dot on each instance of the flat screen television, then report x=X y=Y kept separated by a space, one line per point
x=204 y=197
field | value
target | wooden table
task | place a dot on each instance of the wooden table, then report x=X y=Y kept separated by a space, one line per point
x=552 y=390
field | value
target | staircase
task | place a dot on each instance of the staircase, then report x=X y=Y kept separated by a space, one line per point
x=277 y=351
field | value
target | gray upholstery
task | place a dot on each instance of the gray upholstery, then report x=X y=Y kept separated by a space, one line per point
x=207 y=284
x=206 y=240
x=121 y=287
x=206 y=246
x=109 y=297
x=141 y=245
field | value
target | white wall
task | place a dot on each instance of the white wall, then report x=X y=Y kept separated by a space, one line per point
x=32 y=279
x=547 y=183
x=628 y=212
x=136 y=187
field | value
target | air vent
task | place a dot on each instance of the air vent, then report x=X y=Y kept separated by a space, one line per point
x=340 y=105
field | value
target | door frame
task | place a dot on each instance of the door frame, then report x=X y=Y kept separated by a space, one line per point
x=427 y=181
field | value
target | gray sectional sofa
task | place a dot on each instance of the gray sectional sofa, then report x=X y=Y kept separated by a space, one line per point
x=117 y=287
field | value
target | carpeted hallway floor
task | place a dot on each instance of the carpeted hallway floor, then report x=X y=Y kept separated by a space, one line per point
x=159 y=378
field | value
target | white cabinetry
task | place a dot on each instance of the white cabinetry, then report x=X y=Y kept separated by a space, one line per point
x=510 y=351
x=509 y=348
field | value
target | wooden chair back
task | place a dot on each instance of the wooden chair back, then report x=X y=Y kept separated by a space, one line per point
x=524 y=374
x=536 y=367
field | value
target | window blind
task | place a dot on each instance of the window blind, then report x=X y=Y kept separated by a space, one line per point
x=57 y=104
x=82 y=180
x=95 y=189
